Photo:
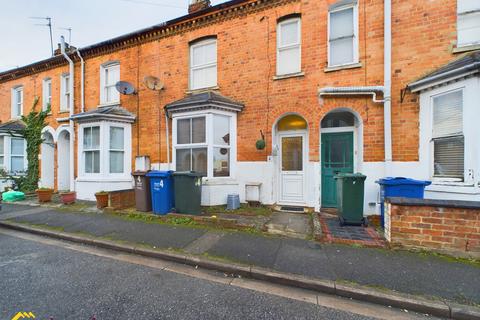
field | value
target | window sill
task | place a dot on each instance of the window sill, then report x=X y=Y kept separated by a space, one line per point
x=63 y=111
x=194 y=91
x=219 y=181
x=343 y=67
x=109 y=104
x=103 y=179
x=288 y=76
x=466 y=48
x=452 y=187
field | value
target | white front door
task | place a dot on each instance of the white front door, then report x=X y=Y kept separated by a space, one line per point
x=292 y=168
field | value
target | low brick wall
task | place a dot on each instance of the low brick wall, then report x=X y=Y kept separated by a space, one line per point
x=121 y=199
x=441 y=225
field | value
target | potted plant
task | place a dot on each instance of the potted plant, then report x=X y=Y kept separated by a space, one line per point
x=68 y=197
x=44 y=194
x=102 y=199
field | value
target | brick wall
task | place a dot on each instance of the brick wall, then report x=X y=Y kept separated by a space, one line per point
x=121 y=199
x=440 y=225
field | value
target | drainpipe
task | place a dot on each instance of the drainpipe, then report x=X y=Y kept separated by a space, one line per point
x=71 y=124
x=167 y=139
x=82 y=82
x=387 y=107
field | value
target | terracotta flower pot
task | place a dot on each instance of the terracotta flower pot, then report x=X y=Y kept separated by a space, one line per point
x=102 y=200
x=68 y=197
x=44 y=195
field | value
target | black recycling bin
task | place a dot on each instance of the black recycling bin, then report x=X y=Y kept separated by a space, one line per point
x=143 y=197
x=188 y=192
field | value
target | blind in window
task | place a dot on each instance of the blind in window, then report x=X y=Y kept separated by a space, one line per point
x=341 y=38
x=447 y=115
x=468 y=23
x=449 y=157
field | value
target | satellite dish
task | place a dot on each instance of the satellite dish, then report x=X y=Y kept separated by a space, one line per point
x=153 y=83
x=125 y=87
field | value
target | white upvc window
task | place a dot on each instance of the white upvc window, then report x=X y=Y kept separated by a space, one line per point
x=105 y=151
x=65 y=92
x=17 y=155
x=468 y=22
x=203 y=64
x=109 y=76
x=343 y=35
x=447 y=136
x=205 y=143
x=2 y=153
x=289 y=53
x=91 y=149
x=117 y=150
x=46 y=93
x=17 y=102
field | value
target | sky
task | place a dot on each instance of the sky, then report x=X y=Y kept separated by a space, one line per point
x=91 y=21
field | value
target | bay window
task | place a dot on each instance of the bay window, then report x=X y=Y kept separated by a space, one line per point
x=447 y=136
x=468 y=22
x=117 y=150
x=17 y=155
x=289 y=47
x=202 y=143
x=2 y=153
x=109 y=76
x=91 y=149
x=343 y=35
x=203 y=64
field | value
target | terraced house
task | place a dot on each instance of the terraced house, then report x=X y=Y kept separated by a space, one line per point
x=386 y=88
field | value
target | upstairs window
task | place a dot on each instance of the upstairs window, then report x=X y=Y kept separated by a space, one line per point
x=65 y=92
x=17 y=102
x=109 y=76
x=47 y=94
x=342 y=35
x=448 y=140
x=203 y=64
x=468 y=22
x=289 y=46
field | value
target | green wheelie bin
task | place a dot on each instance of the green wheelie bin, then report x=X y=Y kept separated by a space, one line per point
x=350 y=197
x=188 y=192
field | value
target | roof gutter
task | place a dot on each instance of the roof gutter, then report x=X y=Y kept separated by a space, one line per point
x=353 y=91
x=452 y=74
x=71 y=124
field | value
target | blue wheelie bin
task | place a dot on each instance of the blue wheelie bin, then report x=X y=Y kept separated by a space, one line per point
x=161 y=187
x=400 y=187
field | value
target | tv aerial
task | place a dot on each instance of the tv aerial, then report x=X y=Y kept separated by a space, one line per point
x=125 y=88
x=153 y=83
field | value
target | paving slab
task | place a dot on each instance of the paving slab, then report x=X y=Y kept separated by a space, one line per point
x=290 y=224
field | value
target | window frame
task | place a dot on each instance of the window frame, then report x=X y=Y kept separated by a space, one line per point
x=12 y=155
x=15 y=104
x=104 y=174
x=92 y=150
x=437 y=178
x=209 y=140
x=110 y=149
x=355 y=48
x=65 y=92
x=46 y=93
x=460 y=15
x=192 y=67
x=298 y=45
x=104 y=68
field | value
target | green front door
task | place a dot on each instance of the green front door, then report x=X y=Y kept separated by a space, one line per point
x=337 y=157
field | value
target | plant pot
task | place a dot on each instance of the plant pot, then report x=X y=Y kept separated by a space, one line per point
x=68 y=197
x=102 y=200
x=44 y=195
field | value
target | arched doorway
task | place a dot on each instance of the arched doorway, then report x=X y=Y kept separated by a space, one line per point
x=291 y=140
x=47 y=158
x=63 y=159
x=340 y=132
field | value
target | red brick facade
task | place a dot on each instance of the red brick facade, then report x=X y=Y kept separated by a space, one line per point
x=423 y=38
x=442 y=228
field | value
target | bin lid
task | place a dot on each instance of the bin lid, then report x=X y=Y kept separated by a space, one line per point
x=188 y=174
x=159 y=174
x=350 y=176
x=395 y=181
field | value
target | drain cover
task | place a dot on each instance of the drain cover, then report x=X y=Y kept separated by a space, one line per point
x=288 y=208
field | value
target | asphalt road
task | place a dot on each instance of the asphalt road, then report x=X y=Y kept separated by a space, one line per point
x=58 y=283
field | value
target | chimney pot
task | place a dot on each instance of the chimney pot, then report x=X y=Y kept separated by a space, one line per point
x=198 y=5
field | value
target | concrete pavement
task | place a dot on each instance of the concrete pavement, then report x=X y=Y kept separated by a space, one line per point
x=55 y=280
x=399 y=271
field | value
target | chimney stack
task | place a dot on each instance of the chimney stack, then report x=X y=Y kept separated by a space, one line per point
x=198 y=5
